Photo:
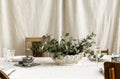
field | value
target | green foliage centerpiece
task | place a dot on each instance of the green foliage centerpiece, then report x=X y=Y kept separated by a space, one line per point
x=67 y=47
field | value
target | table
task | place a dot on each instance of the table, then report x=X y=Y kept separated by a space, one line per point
x=47 y=69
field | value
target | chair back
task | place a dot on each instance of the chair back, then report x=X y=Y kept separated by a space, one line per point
x=105 y=51
x=112 y=70
x=3 y=75
x=28 y=44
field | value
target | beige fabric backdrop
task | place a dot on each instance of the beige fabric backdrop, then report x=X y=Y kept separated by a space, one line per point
x=33 y=18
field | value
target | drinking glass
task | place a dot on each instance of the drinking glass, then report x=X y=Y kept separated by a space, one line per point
x=97 y=53
x=8 y=54
x=11 y=54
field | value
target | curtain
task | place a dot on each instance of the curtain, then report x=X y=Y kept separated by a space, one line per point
x=34 y=18
x=0 y=29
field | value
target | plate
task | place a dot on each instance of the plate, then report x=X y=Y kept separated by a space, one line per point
x=31 y=65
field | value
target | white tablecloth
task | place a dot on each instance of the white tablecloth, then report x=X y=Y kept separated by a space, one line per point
x=47 y=69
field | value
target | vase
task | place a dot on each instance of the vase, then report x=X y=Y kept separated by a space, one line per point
x=68 y=59
x=27 y=61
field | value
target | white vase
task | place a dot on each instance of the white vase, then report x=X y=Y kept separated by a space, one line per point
x=68 y=59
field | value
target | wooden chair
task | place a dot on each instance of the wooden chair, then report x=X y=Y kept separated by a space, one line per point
x=3 y=75
x=112 y=70
x=105 y=51
x=28 y=43
x=29 y=40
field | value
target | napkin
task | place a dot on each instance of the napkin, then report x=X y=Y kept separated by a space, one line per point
x=106 y=58
x=6 y=67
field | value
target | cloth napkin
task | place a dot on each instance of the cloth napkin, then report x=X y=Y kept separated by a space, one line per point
x=6 y=67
